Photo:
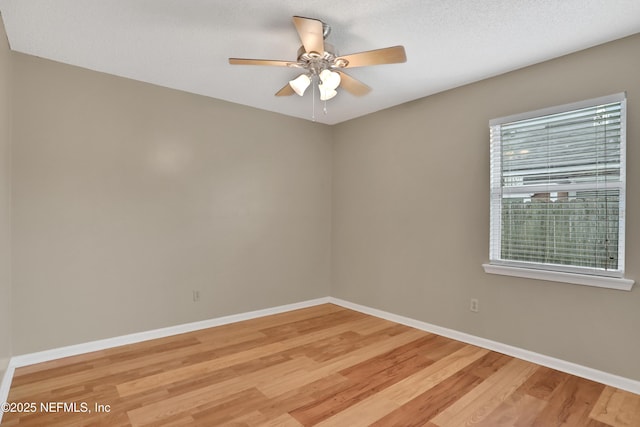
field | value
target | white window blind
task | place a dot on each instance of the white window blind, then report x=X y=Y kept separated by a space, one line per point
x=558 y=188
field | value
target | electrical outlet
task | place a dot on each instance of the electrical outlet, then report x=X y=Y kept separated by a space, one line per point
x=475 y=305
x=196 y=296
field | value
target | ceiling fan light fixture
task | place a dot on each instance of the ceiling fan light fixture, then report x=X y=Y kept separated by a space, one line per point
x=300 y=84
x=330 y=79
x=318 y=60
x=326 y=93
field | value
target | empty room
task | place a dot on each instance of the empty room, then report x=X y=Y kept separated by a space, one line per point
x=285 y=213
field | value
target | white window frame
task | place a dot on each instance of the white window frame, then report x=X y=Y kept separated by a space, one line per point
x=539 y=270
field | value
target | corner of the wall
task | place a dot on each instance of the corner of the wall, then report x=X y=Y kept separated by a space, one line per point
x=6 y=374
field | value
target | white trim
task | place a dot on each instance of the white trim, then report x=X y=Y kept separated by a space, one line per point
x=613 y=380
x=618 y=283
x=622 y=203
x=607 y=99
x=5 y=384
x=73 y=350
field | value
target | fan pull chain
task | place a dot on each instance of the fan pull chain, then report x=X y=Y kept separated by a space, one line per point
x=313 y=103
x=325 y=107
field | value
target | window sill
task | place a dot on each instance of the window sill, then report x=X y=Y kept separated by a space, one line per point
x=620 y=284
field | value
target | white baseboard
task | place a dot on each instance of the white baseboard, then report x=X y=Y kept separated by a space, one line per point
x=73 y=350
x=530 y=356
x=5 y=381
x=540 y=359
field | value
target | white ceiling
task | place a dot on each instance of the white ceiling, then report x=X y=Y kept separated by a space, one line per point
x=184 y=44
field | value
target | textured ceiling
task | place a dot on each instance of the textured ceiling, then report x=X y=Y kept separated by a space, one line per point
x=184 y=44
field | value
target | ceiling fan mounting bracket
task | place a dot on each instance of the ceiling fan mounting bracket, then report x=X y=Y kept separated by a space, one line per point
x=326 y=30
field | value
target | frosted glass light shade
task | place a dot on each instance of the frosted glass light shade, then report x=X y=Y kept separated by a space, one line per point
x=300 y=84
x=326 y=93
x=330 y=79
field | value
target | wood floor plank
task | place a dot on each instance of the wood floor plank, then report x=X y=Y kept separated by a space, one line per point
x=323 y=365
x=230 y=409
x=403 y=391
x=544 y=382
x=284 y=420
x=433 y=374
x=204 y=395
x=617 y=408
x=570 y=404
x=426 y=406
x=167 y=377
x=517 y=410
x=365 y=379
x=442 y=347
x=294 y=380
x=420 y=410
x=476 y=405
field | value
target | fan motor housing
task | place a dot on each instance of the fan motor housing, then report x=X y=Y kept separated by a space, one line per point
x=316 y=62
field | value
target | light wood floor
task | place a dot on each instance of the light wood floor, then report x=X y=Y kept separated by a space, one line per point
x=324 y=365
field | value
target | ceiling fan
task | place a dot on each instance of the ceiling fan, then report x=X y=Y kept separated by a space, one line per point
x=320 y=63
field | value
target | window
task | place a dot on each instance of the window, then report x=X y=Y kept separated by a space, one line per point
x=558 y=193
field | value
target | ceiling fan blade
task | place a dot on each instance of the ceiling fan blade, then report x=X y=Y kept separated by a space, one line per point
x=310 y=32
x=245 y=61
x=285 y=91
x=387 y=55
x=353 y=86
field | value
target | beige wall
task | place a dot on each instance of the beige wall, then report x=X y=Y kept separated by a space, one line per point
x=411 y=215
x=127 y=196
x=5 y=201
